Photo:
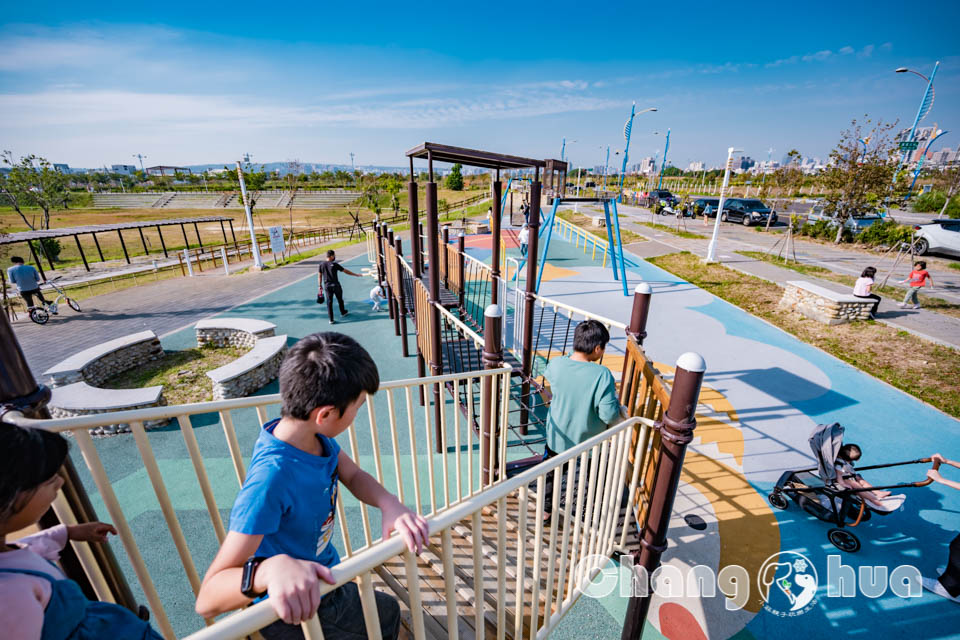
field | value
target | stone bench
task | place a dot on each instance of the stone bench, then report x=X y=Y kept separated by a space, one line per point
x=107 y=359
x=251 y=371
x=81 y=399
x=598 y=221
x=824 y=305
x=235 y=332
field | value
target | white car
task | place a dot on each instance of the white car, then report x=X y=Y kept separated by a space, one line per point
x=941 y=236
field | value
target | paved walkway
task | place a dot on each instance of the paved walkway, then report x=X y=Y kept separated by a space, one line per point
x=932 y=326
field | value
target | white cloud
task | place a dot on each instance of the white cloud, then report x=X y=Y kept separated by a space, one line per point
x=818 y=56
x=845 y=51
x=866 y=52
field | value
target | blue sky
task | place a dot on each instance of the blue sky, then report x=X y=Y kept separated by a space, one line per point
x=93 y=83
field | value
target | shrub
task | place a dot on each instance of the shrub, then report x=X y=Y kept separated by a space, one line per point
x=825 y=230
x=885 y=232
x=932 y=202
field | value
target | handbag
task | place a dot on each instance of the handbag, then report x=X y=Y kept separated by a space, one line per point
x=320 y=298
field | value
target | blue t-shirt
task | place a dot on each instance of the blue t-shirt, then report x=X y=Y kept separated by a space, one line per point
x=290 y=498
x=24 y=276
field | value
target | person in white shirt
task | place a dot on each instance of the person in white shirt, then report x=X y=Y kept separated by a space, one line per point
x=863 y=288
x=524 y=239
x=377 y=296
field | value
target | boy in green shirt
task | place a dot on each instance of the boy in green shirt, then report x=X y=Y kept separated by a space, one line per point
x=584 y=401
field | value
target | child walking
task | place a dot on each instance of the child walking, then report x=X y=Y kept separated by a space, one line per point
x=282 y=523
x=377 y=296
x=39 y=601
x=917 y=280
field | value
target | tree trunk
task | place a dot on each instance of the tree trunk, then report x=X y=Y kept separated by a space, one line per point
x=839 y=232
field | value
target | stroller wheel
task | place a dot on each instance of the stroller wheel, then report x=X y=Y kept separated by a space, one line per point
x=844 y=540
x=778 y=500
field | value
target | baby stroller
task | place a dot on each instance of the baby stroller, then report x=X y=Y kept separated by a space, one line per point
x=818 y=493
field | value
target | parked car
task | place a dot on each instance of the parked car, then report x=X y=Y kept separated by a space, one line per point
x=855 y=223
x=747 y=211
x=705 y=207
x=942 y=236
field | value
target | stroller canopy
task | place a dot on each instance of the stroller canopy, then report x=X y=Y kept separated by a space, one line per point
x=825 y=441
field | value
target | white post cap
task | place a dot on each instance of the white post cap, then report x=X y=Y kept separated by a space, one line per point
x=643 y=287
x=692 y=362
x=493 y=311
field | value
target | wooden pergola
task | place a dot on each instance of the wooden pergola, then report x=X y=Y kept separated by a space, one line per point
x=30 y=236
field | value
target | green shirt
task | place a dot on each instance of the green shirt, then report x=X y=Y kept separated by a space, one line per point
x=584 y=402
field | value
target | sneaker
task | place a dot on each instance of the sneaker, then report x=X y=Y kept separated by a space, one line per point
x=916 y=306
x=901 y=304
x=932 y=584
x=333 y=322
x=344 y=314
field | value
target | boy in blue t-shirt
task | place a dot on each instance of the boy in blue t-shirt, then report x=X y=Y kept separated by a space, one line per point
x=282 y=521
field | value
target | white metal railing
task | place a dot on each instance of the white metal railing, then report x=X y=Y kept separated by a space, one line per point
x=552 y=569
x=372 y=250
x=452 y=476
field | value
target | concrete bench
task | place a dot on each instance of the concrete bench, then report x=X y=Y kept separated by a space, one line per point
x=598 y=221
x=81 y=399
x=824 y=305
x=251 y=371
x=107 y=359
x=236 y=332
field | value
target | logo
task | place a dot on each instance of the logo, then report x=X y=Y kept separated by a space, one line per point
x=788 y=584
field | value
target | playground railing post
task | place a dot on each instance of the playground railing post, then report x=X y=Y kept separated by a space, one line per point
x=495 y=239
x=401 y=298
x=414 y=221
x=530 y=299
x=461 y=268
x=492 y=359
x=641 y=309
x=436 y=363
x=392 y=305
x=677 y=432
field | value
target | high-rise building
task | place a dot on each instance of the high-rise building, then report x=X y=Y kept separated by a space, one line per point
x=696 y=165
x=125 y=169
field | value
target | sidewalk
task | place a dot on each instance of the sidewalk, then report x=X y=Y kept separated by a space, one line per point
x=936 y=327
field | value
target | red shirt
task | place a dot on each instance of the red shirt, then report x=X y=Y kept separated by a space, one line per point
x=917 y=277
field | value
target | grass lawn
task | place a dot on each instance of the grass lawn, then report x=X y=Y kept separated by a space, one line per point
x=183 y=374
x=681 y=233
x=923 y=369
x=584 y=222
x=931 y=303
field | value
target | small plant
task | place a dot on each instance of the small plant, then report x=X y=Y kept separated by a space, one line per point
x=885 y=232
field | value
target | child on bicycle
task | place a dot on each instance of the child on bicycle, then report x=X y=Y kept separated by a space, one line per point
x=27 y=280
x=39 y=601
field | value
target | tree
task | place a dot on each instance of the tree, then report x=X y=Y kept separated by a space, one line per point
x=455 y=179
x=855 y=180
x=393 y=188
x=33 y=181
x=371 y=197
x=947 y=181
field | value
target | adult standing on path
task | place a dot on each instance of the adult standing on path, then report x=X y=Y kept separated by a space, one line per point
x=27 y=280
x=329 y=282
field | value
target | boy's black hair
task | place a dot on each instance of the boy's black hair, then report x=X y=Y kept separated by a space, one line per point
x=920 y=263
x=28 y=458
x=869 y=272
x=589 y=335
x=16 y=260
x=848 y=450
x=325 y=369
x=331 y=253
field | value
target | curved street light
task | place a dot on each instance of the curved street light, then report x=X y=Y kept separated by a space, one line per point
x=916 y=172
x=628 y=125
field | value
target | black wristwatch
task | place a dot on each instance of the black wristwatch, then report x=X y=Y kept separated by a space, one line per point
x=249 y=571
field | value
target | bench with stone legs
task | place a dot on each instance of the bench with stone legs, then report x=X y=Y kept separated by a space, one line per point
x=234 y=332
x=107 y=359
x=824 y=305
x=251 y=371
x=81 y=399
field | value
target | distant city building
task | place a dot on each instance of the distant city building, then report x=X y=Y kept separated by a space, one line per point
x=62 y=168
x=695 y=166
x=125 y=169
x=163 y=170
x=744 y=163
x=941 y=158
x=648 y=166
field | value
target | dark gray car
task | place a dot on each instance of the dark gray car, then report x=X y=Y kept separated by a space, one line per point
x=747 y=211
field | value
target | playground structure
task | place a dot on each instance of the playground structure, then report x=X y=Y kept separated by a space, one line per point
x=494 y=566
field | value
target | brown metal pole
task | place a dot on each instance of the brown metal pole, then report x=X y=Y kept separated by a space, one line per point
x=163 y=245
x=530 y=298
x=20 y=392
x=445 y=256
x=80 y=249
x=414 y=220
x=495 y=230
x=224 y=232
x=641 y=309
x=123 y=246
x=677 y=432
x=436 y=361
x=420 y=237
x=183 y=230
x=492 y=359
x=392 y=305
x=143 y=241
x=197 y=229
x=401 y=299
x=97 y=242
x=461 y=269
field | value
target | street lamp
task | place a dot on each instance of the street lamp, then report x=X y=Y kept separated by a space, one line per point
x=925 y=104
x=255 y=245
x=663 y=163
x=626 y=134
x=916 y=172
x=712 y=247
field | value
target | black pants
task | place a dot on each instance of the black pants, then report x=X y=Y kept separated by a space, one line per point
x=329 y=291
x=341 y=617
x=951 y=575
x=28 y=297
x=876 y=304
x=564 y=492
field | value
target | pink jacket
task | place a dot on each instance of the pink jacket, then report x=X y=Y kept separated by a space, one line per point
x=24 y=597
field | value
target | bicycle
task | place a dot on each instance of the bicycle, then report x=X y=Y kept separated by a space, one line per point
x=41 y=314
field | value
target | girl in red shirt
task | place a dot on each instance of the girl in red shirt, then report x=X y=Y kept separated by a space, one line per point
x=917 y=279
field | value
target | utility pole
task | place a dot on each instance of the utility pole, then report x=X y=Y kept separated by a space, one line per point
x=255 y=245
x=140 y=157
x=353 y=169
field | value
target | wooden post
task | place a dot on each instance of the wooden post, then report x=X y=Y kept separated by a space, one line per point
x=677 y=432
x=436 y=362
x=97 y=242
x=530 y=298
x=80 y=249
x=162 y=243
x=124 y=246
x=20 y=392
x=489 y=423
x=401 y=299
x=495 y=230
